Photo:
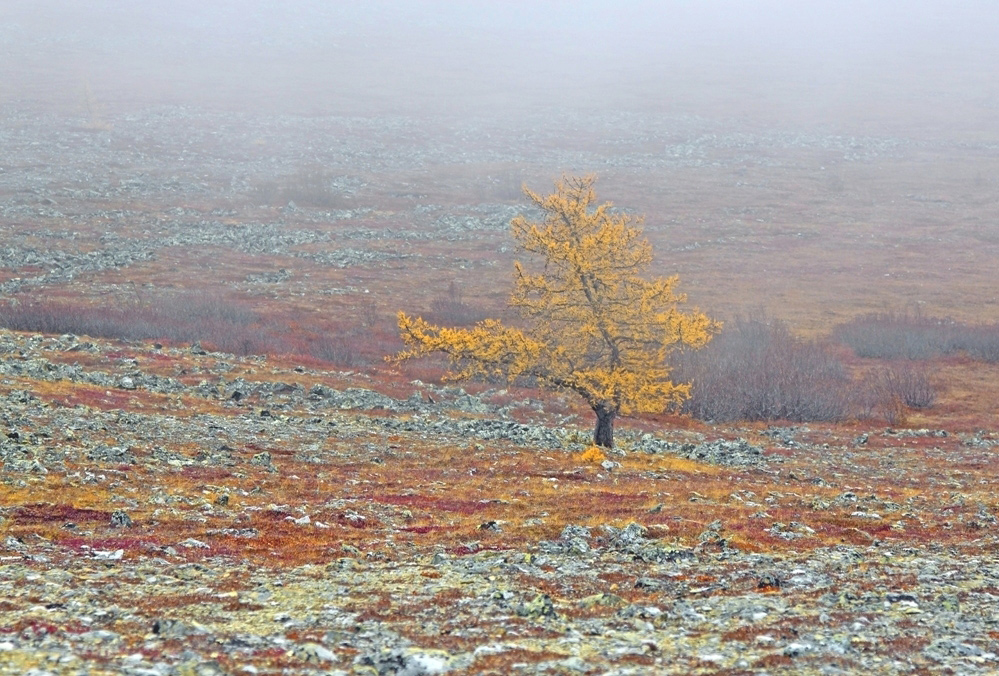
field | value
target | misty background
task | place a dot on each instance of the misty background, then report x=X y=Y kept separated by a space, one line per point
x=816 y=159
x=925 y=67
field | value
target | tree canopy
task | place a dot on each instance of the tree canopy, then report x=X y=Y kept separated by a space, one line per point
x=591 y=321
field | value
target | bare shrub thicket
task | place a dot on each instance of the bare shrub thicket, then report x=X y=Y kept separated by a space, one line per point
x=756 y=369
x=890 y=390
x=175 y=317
x=218 y=323
x=310 y=186
x=345 y=349
x=910 y=335
x=450 y=309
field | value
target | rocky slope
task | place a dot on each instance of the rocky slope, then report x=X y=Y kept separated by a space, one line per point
x=173 y=511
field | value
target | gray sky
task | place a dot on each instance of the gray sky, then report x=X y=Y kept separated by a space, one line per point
x=816 y=61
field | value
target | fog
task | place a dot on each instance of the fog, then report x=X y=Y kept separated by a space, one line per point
x=925 y=67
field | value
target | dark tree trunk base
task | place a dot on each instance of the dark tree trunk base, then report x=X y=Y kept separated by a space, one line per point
x=604 y=433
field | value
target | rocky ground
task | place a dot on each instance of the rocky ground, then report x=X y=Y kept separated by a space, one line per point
x=177 y=511
x=171 y=509
x=127 y=198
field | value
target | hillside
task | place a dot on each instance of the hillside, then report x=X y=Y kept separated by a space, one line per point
x=208 y=467
x=171 y=510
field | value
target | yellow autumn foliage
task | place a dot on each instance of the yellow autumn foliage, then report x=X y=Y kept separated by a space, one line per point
x=592 y=455
x=594 y=324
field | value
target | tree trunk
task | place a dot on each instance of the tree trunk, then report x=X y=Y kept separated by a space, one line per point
x=604 y=434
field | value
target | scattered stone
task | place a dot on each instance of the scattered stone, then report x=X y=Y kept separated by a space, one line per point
x=541 y=606
x=313 y=653
x=120 y=519
x=768 y=581
x=261 y=459
x=408 y=662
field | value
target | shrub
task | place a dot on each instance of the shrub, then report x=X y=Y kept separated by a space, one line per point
x=981 y=342
x=592 y=455
x=178 y=317
x=905 y=382
x=756 y=369
x=342 y=350
x=910 y=335
x=450 y=309
x=310 y=186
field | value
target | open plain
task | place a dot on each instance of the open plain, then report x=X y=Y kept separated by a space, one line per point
x=174 y=509
x=208 y=467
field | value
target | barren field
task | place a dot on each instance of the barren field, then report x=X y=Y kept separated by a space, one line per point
x=173 y=510
x=207 y=466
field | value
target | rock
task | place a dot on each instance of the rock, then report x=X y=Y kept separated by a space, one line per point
x=98 y=636
x=625 y=537
x=313 y=653
x=721 y=452
x=602 y=599
x=120 y=519
x=797 y=649
x=169 y=628
x=573 y=531
x=942 y=649
x=709 y=536
x=408 y=662
x=574 y=664
x=470 y=404
x=261 y=459
x=541 y=606
x=118 y=455
x=108 y=555
x=768 y=581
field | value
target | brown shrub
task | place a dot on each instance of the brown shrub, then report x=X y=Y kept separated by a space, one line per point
x=215 y=321
x=910 y=335
x=342 y=350
x=310 y=186
x=756 y=369
x=903 y=383
x=450 y=309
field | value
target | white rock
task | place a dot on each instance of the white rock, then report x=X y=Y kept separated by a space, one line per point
x=108 y=555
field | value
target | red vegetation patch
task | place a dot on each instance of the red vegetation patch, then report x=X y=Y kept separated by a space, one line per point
x=435 y=505
x=108 y=543
x=51 y=513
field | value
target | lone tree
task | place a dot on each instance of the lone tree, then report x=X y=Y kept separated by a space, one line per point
x=591 y=324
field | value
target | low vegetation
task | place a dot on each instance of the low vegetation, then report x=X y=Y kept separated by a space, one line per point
x=911 y=335
x=451 y=309
x=175 y=317
x=758 y=370
x=215 y=322
x=310 y=186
